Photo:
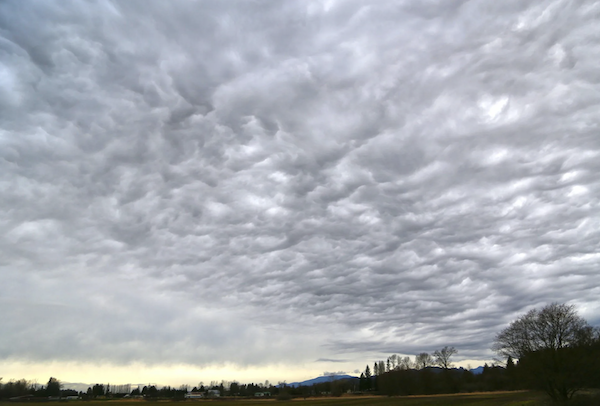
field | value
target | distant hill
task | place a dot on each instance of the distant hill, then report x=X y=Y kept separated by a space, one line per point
x=320 y=379
x=477 y=370
x=327 y=378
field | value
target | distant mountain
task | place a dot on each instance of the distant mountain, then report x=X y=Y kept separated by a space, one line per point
x=320 y=379
x=477 y=370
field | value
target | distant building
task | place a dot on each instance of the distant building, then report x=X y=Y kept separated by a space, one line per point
x=262 y=394
x=24 y=398
x=194 y=395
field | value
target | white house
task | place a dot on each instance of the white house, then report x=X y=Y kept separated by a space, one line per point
x=194 y=395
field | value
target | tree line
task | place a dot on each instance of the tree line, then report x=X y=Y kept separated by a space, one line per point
x=54 y=389
x=23 y=388
x=552 y=349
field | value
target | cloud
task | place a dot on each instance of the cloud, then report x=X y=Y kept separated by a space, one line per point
x=330 y=360
x=333 y=373
x=262 y=183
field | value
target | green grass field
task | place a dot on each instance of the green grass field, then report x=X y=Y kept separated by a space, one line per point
x=477 y=399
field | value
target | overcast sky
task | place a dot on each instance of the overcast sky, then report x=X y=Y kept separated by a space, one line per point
x=197 y=190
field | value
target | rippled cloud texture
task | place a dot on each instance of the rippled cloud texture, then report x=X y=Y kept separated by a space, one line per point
x=316 y=183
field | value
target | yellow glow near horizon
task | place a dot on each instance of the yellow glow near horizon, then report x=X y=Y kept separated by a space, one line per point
x=137 y=373
x=172 y=375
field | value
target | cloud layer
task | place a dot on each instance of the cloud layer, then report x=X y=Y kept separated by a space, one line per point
x=260 y=182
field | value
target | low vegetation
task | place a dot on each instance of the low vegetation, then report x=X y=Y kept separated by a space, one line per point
x=518 y=398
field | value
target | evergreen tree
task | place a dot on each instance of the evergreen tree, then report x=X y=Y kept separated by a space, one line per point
x=53 y=387
x=510 y=373
x=368 y=378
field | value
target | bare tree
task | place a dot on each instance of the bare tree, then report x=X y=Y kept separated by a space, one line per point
x=555 y=326
x=423 y=360
x=442 y=357
x=552 y=346
x=405 y=363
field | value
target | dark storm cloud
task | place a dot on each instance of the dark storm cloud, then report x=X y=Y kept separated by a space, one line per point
x=330 y=360
x=188 y=179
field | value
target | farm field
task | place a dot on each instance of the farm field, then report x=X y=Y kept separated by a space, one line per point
x=474 y=399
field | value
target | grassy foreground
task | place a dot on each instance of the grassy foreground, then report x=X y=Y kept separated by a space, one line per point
x=471 y=399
